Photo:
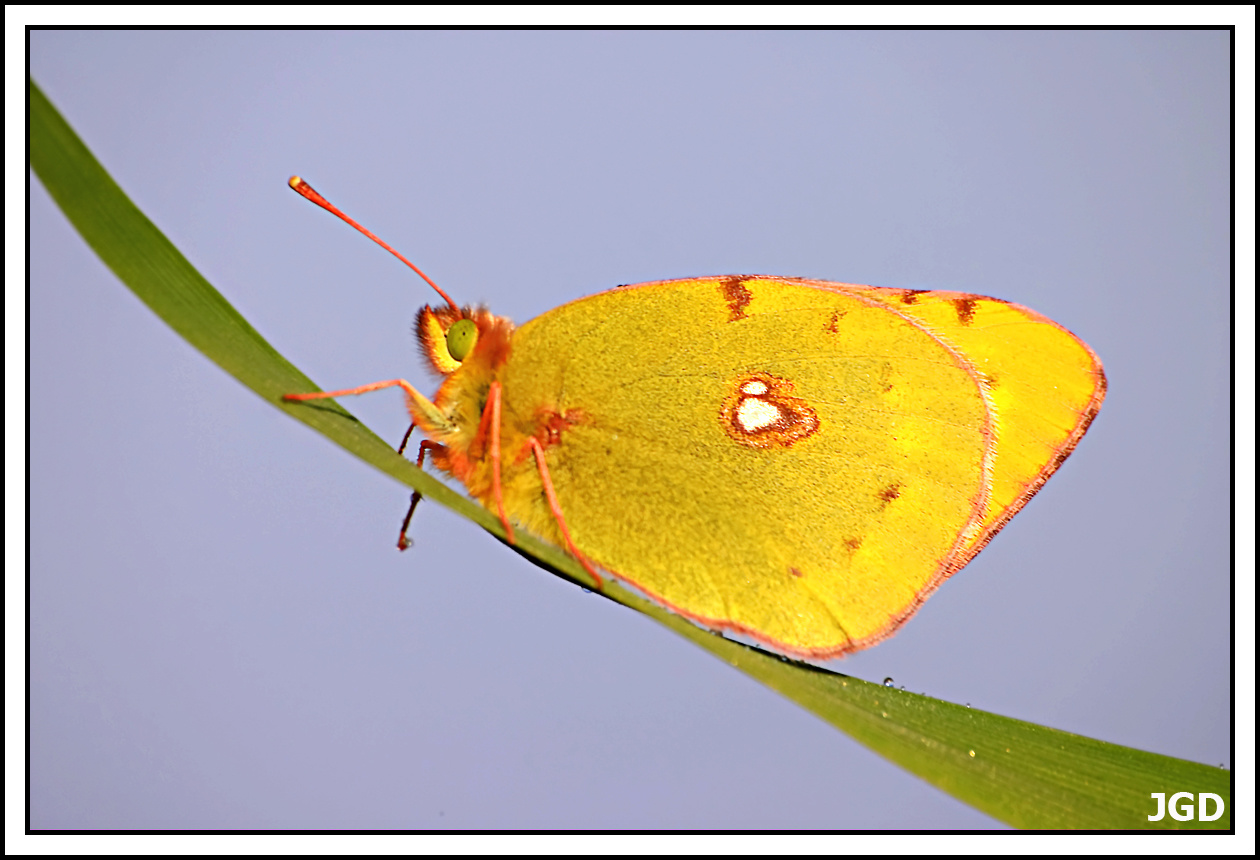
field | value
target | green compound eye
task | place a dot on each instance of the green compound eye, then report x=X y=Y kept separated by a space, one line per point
x=460 y=338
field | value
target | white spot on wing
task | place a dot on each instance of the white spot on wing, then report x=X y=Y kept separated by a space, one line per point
x=754 y=414
x=755 y=387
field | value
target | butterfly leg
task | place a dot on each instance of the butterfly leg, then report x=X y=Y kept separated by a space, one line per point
x=362 y=389
x=403 y=445
x=490 y=419
x=404 y=542
x=493 y=415
x=554 y=504
x=418 y=405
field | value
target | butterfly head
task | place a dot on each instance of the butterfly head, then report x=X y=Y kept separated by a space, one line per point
x=451 y=337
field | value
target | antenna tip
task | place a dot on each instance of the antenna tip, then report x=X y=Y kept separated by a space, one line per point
x=295 y=181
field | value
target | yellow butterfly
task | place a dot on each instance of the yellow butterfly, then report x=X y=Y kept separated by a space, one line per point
x=799 y=461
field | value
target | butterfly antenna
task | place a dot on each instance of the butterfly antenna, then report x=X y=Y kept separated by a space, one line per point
x=299 y=185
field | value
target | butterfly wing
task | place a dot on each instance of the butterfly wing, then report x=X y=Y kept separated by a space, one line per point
x=800 y=461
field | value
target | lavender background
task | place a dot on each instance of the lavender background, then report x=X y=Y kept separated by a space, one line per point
x=221 y=633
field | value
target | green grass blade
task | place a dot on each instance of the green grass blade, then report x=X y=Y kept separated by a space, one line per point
x=1024 y=774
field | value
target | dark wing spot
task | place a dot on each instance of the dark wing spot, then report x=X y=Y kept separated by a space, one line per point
x=989 y=381
x=795 y=572
x=833 y=325
x=966 y=310
x=909 y=297
x=853 y=543
x=737 y=297
x=889 y=493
